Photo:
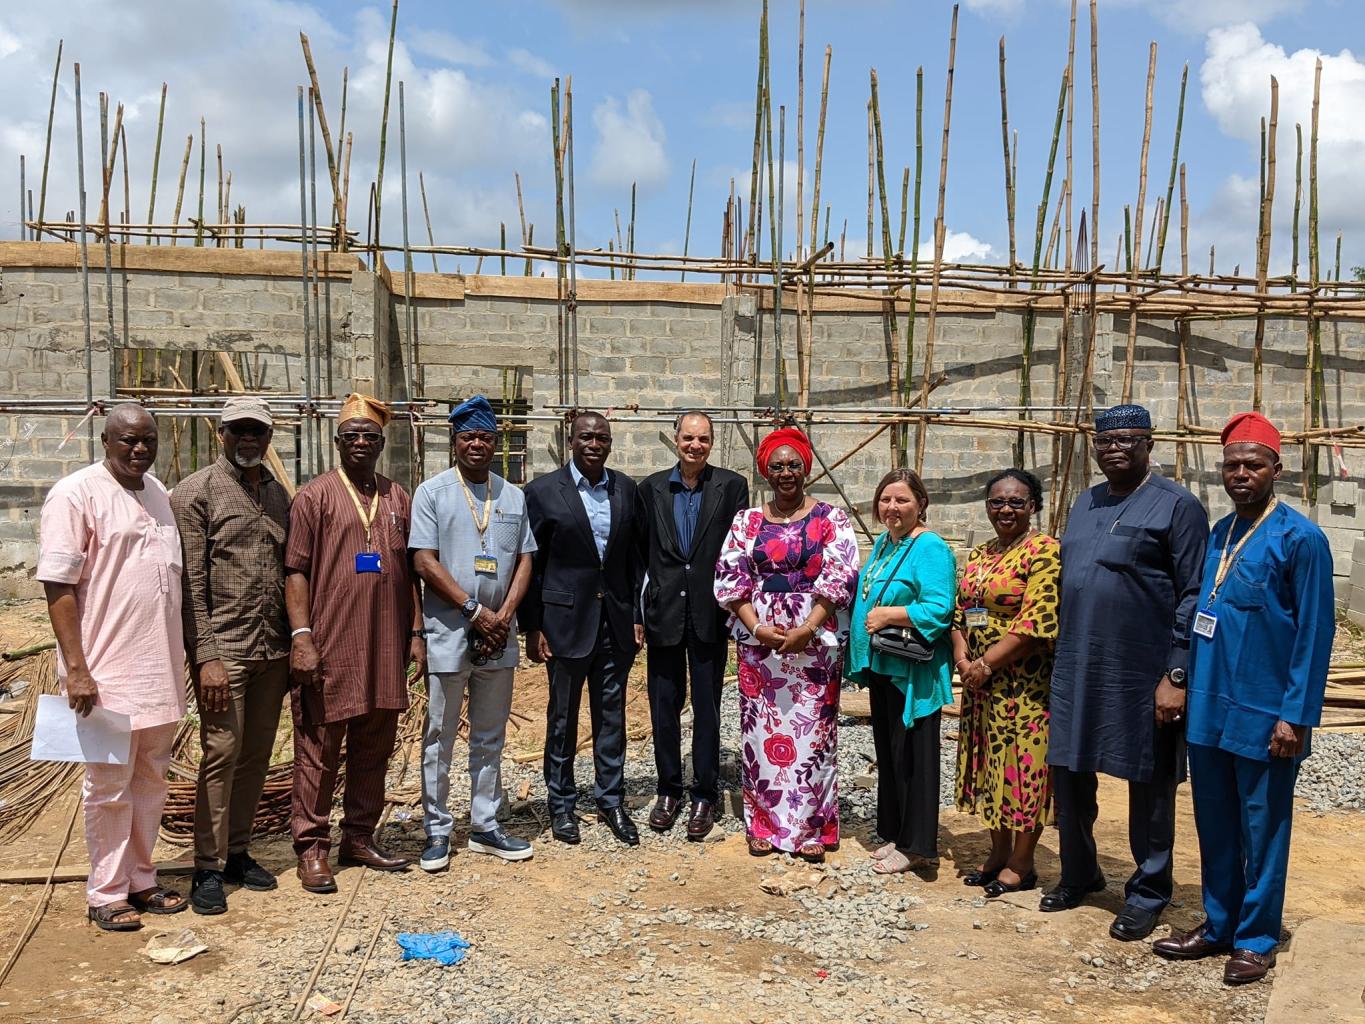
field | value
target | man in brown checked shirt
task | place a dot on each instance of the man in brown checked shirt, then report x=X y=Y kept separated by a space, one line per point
x=355 y=625
x=233 y=518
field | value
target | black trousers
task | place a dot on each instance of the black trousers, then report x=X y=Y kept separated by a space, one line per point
x=1151 y=829
x=907 y=773
x=668 y=677
x=604 y=671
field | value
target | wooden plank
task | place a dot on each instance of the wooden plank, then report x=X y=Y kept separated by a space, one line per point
x=177 y=259
x=80 y=872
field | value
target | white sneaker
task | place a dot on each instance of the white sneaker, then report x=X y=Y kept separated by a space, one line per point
x=437 y=854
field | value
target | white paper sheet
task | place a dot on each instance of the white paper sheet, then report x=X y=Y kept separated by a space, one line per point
x=59 y=734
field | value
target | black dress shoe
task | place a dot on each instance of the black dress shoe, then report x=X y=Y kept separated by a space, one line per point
x=1133 y=923
x=564 y=827
x=664 y=814
x=620 y=824
x=1068 y=897
x=995 y=887
x=979 y=878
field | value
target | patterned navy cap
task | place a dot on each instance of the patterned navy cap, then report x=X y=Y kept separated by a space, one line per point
x=1123 y=417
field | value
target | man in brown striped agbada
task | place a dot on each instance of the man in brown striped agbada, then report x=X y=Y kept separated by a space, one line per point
x=356 y=625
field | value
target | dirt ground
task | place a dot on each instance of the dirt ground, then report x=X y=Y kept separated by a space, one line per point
x=650 y=933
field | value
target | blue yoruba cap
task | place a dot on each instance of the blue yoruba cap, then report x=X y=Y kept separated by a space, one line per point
x=1123 y=417
x=473 y=414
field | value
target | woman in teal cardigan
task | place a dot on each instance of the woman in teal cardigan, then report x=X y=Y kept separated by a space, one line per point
x=909 y=579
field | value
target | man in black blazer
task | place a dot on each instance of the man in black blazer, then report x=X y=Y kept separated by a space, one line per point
x=582 y=617
x=685 y=513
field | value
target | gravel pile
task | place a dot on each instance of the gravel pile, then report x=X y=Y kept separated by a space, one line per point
x=1331 y=778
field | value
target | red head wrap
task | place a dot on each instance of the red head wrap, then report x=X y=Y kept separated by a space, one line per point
x=790 y=436
x=1253 y=427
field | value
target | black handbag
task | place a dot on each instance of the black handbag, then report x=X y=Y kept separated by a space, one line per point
x=901 y=641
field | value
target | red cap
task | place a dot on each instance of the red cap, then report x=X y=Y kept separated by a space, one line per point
x=1252 y=427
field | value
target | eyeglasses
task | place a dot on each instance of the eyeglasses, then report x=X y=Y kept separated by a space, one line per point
x=795 y=466
x=248 y=429
x=352 y=436
x=1101 y=442
x=1018 y=504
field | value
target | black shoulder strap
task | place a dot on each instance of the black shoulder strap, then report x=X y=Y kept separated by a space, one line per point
x=899 y=562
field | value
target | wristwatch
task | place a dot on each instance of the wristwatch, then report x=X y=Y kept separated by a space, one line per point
x=418 y=634
x=1177 y=677
x=469 y=608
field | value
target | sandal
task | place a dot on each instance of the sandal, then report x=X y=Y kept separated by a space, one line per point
x=882 y=852
x=813 y=853
x=106 y=917
x=894 y=863
x=999 y=888
x=158 y=901
x=759 y=847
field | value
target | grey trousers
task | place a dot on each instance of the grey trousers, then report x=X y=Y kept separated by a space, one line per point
x=490 y=704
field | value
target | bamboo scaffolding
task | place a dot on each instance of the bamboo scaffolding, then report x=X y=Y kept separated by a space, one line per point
x=890 y=322
x=1175 y=160
x=1009 y=173
x=1263 y=232
x=1313 y=359
x=1135 y=249
x=1095 y=133
x=939 y=235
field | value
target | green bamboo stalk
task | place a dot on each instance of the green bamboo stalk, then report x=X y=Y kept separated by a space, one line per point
x=47 y=146
x=819 y=154
x=1009 y=174
x=1263 y=233
x=156 y=161
x=502 y=244
x=1298 y=201
x=914 y=246
x=1175 y=163
x=890 y=320
x=384 y=123
x=687 y=229
x=1314 y=277
x=758 y=131
x=203 y=156
x=905 y=209
x=630 y=233
x=180 y=188
x=1336 y=275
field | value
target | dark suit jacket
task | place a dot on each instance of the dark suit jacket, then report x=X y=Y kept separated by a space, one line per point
x=570 y=588
x=680 y=578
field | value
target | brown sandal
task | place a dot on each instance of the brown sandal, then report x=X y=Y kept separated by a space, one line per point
x=106 y=917
x=759 y=847
x=158 y=901
x=814 y=853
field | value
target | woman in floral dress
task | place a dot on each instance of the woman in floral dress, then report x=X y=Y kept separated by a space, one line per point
x=786 y=574
x=1003 y=634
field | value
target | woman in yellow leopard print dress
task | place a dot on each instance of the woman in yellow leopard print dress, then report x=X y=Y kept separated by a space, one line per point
x=1003 y=634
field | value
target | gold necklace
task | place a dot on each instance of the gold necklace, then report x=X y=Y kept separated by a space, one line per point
x=983 y=572
x=772 y=511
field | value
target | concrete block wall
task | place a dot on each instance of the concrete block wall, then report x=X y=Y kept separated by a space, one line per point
x=661 y=345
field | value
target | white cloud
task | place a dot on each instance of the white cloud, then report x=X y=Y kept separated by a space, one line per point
x=8 y=43
x=449 y=48
x=525 y=61
x=630 y=142
x=1200 y=16
x=1235 y=81
x=1005 y=8
x=959 y=247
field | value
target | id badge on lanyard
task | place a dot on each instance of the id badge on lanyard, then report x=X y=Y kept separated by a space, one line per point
x=368 y=561
x=977 y=618
x=1205 y=624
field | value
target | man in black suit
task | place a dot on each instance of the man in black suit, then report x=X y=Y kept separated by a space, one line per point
x=685 y=513
x=582 y=617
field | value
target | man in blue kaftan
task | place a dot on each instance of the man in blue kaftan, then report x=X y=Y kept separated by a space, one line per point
x=1258 y=670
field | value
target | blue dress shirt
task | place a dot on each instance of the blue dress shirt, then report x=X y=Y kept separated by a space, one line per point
x=596 y=500
x=686 y=507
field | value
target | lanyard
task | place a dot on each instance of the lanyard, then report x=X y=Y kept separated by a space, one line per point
x=366 y=518
x=1229 y=556
x=482 y=527
x=983 y=571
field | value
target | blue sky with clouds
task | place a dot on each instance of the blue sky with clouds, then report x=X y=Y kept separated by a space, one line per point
x=659 y=84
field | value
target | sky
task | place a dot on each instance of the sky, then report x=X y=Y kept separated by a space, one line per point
x=660 y=83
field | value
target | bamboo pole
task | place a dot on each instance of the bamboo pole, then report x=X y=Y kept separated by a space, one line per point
x=1070 y=114
x=521 y=212
x=426 y=215
x=871 y=176
x=914 y=248
x=219 y=148
x=687 y=227
x=180 y=189
x=203 y=154
x=630 y=232
x=891 y=324
x=1136 y=251
x=343 y=207
x=1009 y=174
x=156 y=159
x=800 y=142
x=1095 y=133
x=1298 y=202
x=805 y=346
x=939 y=234
x=47 y=144
x=384 y=125
x=1313 y=364
x=752 y=237
x=1182 y=336
x=1263 y=240
x=108 y=162
x=1175 y=160
x=333 y=169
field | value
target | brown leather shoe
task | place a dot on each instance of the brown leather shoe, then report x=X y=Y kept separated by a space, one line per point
x=1190 y=945
x=701 y=820
x=315 y=875
x=664 y=814
x=1246 y=966
x=367 y=853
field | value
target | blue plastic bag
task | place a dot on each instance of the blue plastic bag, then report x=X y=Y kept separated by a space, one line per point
x=444 y=947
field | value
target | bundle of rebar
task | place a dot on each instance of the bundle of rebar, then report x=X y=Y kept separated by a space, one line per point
x=27 y=788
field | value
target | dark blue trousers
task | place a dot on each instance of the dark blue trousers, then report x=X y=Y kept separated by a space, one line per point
x=1151 y=832
x=1243 y=811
